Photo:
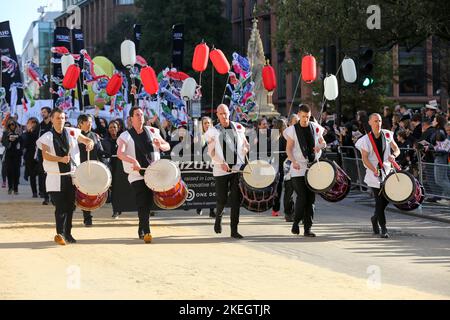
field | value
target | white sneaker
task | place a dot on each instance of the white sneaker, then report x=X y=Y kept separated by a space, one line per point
x=444 y=202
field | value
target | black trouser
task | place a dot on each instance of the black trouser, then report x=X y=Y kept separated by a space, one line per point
x=304 y=205
x=225 y=184
x=13 y=172
x=31 y=168
x=3 y=170
x=287 y=198
x=380 y=205
x=64 y=202
x=144 y=202
x=42 y=176
x=277 y=198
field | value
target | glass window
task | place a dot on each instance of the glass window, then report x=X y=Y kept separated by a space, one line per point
x=124 y=2
x=412 y=77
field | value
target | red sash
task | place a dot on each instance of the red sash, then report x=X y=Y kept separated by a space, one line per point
x=375 y=149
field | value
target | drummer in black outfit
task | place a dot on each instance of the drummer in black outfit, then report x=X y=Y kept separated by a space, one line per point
x=138 y=147
x=303 y=147
x=97 y=154
x=227 y=147
x=61 y=155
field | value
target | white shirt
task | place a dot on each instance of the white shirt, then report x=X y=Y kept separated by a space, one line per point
x=290 y=133
x=217 y=156
x=53 y=180
x=130 y=150
x=364 y=144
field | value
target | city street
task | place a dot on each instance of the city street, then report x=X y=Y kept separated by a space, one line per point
x=188 y=261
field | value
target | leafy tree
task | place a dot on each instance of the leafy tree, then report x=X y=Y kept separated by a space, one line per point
x=203 y=20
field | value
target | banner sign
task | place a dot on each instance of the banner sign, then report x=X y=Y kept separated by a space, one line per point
x=178 y=46
x=61 y=38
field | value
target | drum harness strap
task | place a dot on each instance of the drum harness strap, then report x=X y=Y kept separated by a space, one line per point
x=303 y=142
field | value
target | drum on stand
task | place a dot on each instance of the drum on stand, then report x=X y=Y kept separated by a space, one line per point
x=403 y=190
x=327 y=179
x=258 y=185
x=163 y=177
x=92 y=180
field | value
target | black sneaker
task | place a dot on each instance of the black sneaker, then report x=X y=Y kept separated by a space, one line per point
x=35 y=195
x=45 y=202
x=384 y=233
x=236 y=235
x=116 y=214
x=70 y=239
x=88 y=222
x=212 y=214
x=199 y=212
x=309 y=233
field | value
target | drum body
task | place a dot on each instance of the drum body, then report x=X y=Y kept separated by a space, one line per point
x=92 y=180
x=328 y=180
x=163 y=177
x=258 y=185
x=403 y=190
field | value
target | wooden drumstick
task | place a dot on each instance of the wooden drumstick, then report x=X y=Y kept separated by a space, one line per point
x=89 y=163
x=249 y=165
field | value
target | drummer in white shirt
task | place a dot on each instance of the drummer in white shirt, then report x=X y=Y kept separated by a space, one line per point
x=375 y=172
x=61 y=155
x=138 y=147
x=303 y=147
x=227 y=147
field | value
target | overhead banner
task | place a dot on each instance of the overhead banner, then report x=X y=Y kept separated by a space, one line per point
x=61 y=38
x=178 y=46
x=10 y=70
x=77 y=46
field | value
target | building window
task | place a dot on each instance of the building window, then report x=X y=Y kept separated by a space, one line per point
x=281 y=76
x=124 y=2
x=436 y=53
x=412 y=75
x=266 y=37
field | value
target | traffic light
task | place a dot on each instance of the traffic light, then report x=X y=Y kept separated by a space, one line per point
x=366 y=79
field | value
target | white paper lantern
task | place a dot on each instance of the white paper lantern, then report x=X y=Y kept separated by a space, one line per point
x=188 y=89
x=128 y=53
x=66 y=61
x=349 y=70
x=331 y=87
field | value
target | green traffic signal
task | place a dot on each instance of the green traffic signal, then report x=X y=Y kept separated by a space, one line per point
x=367 y=82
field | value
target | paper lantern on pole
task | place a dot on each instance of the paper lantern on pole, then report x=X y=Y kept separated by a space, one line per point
x=219 y=61
x=66 y=61
x=149 y=80
x=269 y=78
x=188 y=89
x=349 y=70
x=331 y=87
x=309 y=69
x=71 y=78
x=128 y=53
x=114 y=85
x=200 y=59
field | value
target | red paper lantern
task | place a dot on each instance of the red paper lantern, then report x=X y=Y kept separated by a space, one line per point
x=269 y=78
x=309 y=69
x=71 y=78
x=114 y=85
x=149 y=80
x=219 y=61
x=200 y=59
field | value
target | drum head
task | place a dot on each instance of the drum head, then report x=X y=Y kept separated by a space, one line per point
x=321 y=175
x=398 y=190
x=92 y=178
x=259 y=174
x=162 y=175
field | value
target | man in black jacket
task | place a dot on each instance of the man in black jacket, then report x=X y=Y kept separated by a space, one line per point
x=44 y=126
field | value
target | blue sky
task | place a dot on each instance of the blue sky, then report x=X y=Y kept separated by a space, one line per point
x=21 y=13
